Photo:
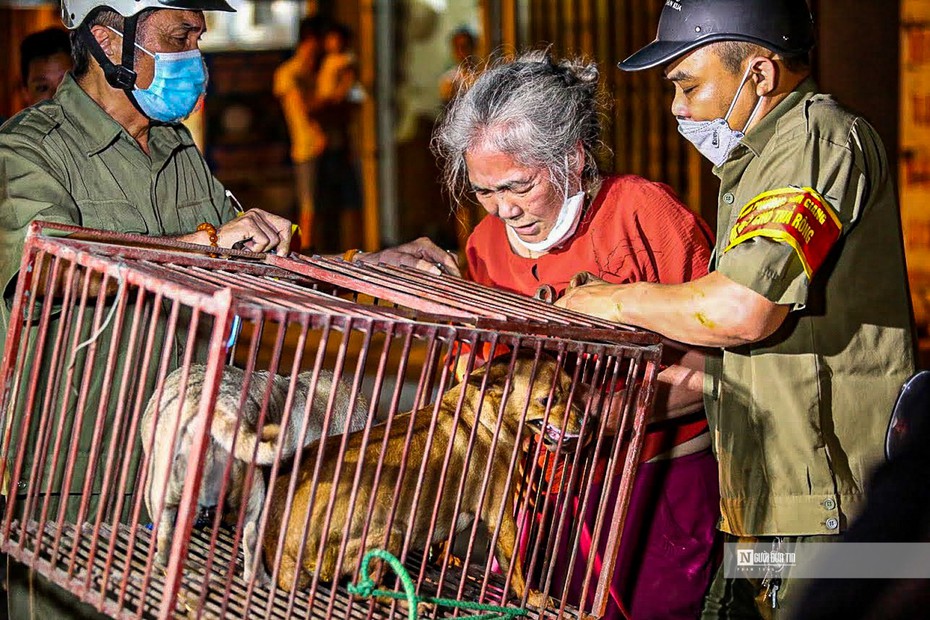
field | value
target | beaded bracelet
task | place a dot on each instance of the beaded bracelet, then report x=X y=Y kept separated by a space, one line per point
x=210 y=229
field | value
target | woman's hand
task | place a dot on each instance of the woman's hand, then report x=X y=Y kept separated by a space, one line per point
x=421 y=254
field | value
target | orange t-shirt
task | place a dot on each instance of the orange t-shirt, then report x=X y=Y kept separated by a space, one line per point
x=635 y=230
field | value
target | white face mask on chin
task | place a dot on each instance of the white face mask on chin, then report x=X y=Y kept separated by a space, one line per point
x=565 y=226
x=716 y=139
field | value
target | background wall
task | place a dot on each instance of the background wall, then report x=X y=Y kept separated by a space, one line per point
x=914 y=170
x=861 y=65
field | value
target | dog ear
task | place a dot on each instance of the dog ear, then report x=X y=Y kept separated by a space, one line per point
x=498 y=369
x=477 y=375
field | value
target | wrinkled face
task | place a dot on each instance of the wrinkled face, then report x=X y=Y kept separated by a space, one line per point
x=524 y=198
x=45 y=74
x=166 y=31
x=704 y=88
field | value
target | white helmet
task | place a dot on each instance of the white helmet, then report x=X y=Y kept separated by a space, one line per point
x=73 y=12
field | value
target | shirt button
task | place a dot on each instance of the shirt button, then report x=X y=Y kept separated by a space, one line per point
x=829 y=503
x=728 y=198
x=832 y=523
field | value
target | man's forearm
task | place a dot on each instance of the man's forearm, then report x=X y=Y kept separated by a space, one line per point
x=680 y=312
x=712 y=311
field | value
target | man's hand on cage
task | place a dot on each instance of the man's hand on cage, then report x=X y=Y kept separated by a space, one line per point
x=421 y=254
x=257 y=231
x=590 y=295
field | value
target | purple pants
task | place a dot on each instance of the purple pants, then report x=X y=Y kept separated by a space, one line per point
x=668 y=548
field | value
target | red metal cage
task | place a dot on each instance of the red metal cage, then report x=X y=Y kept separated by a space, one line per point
x=187 y=435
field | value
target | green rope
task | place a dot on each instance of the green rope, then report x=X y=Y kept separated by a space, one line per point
x=365 y=588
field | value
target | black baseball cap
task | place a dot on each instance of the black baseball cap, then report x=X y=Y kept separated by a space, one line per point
x=783 y=26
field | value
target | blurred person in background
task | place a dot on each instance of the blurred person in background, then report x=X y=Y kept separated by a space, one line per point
x=338 y=75
x=522 y=139
x=463 y=44
x=339 y=187
x=295 y=86
x=44 y=59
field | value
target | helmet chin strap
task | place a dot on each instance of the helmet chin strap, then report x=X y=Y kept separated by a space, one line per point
x=120 y=76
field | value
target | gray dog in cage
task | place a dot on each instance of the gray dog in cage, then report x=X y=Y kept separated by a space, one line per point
x=168 y=460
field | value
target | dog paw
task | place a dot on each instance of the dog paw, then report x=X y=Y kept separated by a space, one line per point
x=262 y=580
x=425 y=609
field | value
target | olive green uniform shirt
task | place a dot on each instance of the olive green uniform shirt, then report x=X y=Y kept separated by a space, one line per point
x=68 y=161
x=799 y=419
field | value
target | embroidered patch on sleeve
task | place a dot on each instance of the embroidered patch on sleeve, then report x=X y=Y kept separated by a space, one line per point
x=799 y=217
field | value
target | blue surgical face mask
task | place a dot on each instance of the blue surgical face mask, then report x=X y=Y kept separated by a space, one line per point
x=716 y=139
x=180 y=79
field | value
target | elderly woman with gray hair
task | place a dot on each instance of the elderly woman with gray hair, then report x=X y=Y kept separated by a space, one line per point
x=523 y=137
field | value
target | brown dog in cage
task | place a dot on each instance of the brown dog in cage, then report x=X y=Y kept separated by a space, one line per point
x=523 y=395
x=168 y=461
